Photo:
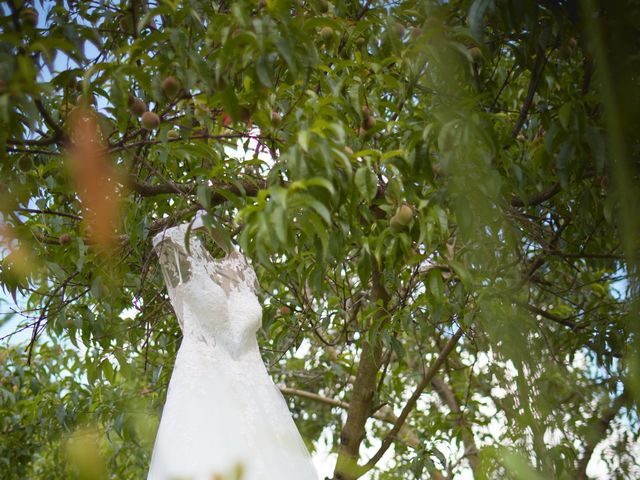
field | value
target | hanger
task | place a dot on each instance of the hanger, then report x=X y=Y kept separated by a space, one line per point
x=202 y=221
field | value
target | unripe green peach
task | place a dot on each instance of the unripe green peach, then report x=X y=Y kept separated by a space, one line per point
x=369 y=122
x=173 y=134
x=150 y=120
x=324 y=6
x=29 y=17
x=476 y=55
x=395 y=225
x=404 y=214
x=327 y=34
x=137 y=106
x=171 y=86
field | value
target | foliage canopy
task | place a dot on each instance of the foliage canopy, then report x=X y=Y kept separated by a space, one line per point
x=438 y=198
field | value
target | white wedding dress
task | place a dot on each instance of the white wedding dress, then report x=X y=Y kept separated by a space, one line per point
x=224 y=419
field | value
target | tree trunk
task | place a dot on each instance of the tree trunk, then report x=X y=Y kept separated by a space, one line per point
x=361 y=406
x=364 y=389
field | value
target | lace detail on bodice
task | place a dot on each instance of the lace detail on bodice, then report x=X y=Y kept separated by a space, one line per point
x=201 y=288
x=177 y=259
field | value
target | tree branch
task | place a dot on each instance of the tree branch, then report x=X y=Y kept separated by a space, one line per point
x=200 y=136
x=49 y=212
x=607 y=256
x=411 y=403
x=147 y=190
x=42 y=142
x=245 y=187
x=549 y=316
x=448 y=397
x=536 y=75
x=407 y=435
x=537 y=198
x=363 y=10
x=59 y=134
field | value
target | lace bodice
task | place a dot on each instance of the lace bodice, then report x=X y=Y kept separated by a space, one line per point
x=202 y=287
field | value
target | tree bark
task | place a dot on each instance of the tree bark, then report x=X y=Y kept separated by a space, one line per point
x=364 y=389
x=359 y=411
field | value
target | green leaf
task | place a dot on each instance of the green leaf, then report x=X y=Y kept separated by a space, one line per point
x=597 y=146
x=57 y=271
x=321 y=209
x=518 y=466
x=311 y=182
x=476 y=17
x=435 y=284
x=564 y=114
x=364 y=268
x=279 y=221
x=204 y=195
x=303 y=140
x=462 y=272
x=366 y=182
x=263 y=70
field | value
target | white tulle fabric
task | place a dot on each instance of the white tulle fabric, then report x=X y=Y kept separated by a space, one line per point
x=223 y=418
